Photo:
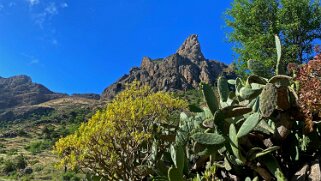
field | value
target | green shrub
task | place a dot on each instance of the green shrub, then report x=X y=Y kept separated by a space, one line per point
x=8 y=167
x=39 y=146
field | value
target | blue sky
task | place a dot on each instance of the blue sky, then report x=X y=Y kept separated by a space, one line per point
x=82 y=46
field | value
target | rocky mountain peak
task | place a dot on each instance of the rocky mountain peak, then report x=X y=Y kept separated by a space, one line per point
x=191 y=49
x=180 y=71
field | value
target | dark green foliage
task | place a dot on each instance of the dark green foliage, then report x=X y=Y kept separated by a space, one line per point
x=208 y=138
x=255 y=23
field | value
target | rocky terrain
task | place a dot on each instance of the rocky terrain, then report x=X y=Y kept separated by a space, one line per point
x=20 y=98
x=181 y=71
x=21 y=91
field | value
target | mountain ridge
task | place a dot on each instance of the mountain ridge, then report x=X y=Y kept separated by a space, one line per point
x=182 y=70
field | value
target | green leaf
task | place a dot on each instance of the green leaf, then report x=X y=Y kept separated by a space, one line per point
x=227 y=164
x=210 y=98
x=257 y=152
x=256 y=79
x=267 y=151
x=207 y=150
x=174 y=174
x=208 y=138
x=162 y=169
x=194 y=108
x=234 y=143
x=249 y=93
x=264 y=127
x=178 y=157
x=273 y=166
x=279 y=53
x=219 y=121
x=249 y=124
x=281 y=80
x=223 y=89
x=235 y=111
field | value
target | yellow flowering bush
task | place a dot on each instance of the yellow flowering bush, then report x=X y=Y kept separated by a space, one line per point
x=116 y=141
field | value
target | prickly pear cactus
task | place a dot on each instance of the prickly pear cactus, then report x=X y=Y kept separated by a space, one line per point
x=268 y=100
x=283 y=101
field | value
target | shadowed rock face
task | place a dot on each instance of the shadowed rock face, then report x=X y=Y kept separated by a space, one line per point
x=181 y=71
x=21 y=91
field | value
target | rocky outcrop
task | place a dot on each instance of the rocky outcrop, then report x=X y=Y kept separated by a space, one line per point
x=21 y=91
x=181 y=71
x=191 y=49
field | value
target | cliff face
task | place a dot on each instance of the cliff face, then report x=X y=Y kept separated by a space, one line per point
x=181 y=71
x=21 y=91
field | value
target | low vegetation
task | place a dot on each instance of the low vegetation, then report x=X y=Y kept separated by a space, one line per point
x=32 y=139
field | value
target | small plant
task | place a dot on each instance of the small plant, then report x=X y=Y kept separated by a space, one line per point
x=8 y=167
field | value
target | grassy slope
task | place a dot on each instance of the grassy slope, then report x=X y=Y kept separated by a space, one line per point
x=35 y=136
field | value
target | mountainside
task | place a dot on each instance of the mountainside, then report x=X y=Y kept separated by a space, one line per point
x=181 y=71
x=21 y=91
x=20 y=99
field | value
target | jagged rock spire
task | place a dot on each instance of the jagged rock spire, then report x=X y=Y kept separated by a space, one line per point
x=191 y=49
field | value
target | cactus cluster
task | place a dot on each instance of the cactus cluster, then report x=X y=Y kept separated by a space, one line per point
x=251 y=131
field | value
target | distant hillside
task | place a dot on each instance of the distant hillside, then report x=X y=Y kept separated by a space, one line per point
x=181 y=71
x=21 y=98
x=21 y=91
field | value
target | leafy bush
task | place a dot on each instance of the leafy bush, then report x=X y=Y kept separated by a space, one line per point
x=117 y=141
x=309 y=90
